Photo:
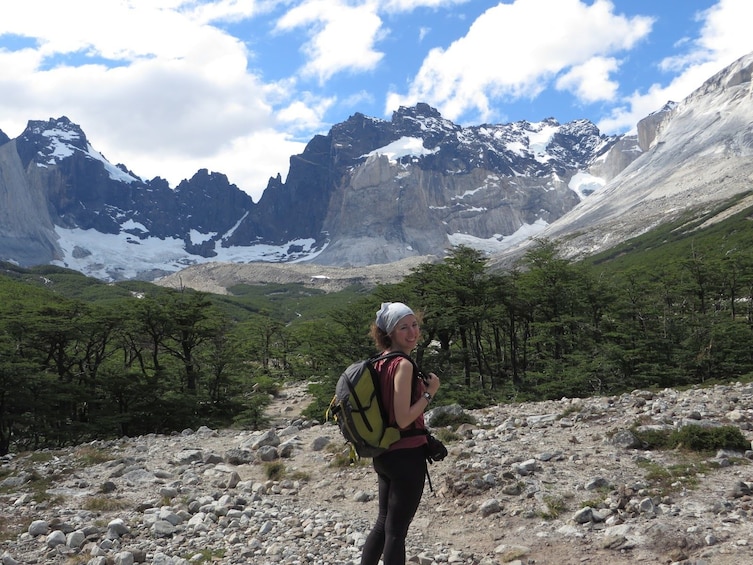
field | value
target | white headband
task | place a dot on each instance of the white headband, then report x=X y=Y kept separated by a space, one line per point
x=390 y=314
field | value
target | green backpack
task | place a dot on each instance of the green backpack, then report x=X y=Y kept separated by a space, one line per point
x=358 y=410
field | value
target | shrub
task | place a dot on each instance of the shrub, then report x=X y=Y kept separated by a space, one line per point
x=446 y=435
x=88 y=456
x=444 y=419
x=554 y=507
x=264 y=384
x=253 y=415
x=698 y=438
x=694 y=438
x=102 y=504
x=274 y=471
x=671 y=478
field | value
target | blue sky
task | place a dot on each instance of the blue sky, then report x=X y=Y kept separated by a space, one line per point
x=238 y=86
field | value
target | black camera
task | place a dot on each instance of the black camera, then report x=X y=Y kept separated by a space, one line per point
x=435 y=449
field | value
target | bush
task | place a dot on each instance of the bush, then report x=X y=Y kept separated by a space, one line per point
x=253 y=416
x=695 y=438
x=446 y=435
x=274 y=471
x=698 y=438
x=445 y=419
x=322 y=393
x=264 y=384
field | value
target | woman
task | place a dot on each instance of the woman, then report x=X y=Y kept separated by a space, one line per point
x=402 y=468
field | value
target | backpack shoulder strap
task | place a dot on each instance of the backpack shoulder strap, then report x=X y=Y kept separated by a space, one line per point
x=390 y=354
x=416 y=374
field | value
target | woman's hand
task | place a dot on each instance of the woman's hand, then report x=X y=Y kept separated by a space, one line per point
x=432 y=383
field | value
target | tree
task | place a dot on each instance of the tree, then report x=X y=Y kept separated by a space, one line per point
x=191 y=322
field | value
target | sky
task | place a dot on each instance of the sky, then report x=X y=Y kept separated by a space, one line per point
x=168 y=87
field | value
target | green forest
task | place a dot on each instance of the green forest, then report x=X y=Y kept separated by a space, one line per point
x=82 y=359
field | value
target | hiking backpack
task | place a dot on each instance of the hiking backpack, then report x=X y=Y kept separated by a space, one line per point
x=358 y=410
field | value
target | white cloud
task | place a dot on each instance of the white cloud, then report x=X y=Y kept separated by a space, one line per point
x=171 y=86
x=408 y=5
x=590 y=81
x=525 y=45
x=725 y=36
x=304 y=114
x=342 y=36
x=151 y=84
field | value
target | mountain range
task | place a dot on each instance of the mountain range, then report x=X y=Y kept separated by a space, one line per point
x=374 y=191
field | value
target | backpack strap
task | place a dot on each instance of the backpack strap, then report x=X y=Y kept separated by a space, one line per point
x=377 y=385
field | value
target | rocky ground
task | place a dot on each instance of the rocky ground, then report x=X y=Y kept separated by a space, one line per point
x=559 y=483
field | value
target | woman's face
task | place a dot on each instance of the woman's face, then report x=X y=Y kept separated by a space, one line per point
x=405 y=334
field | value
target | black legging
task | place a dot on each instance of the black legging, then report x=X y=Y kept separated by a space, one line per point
x=401 y=483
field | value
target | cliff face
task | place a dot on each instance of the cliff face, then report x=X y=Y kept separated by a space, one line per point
x=432 y=184
x=27 y=232
x=386 y=210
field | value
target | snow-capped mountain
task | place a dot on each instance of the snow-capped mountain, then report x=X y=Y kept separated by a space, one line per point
x=697 y=157
x=374 y=191
x=419 y=184
x=370 y=191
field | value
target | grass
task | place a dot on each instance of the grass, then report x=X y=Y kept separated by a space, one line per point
x=343 y=456
x=39 y=485
x=205 y=556
x=673 y=478
x=298 y=476
x=693 y=444
x=453 y=420
x=87 y=456
x=555 y=506
x=103 y=504
x=11 y=528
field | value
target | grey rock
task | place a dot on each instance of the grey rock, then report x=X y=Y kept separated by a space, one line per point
x=238 y=456
x=266 y=439
x=626 y=440
x=55 y=538
x=320 y=443
x=489 y=507
x=267 y=453
x=39 y=528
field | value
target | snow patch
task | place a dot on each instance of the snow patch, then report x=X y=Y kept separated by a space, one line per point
x=114 y=172
x=498 y=243
x=124 y=256
x=584 y=184
x=198 y=237
x=538 y=141
x=402 y=147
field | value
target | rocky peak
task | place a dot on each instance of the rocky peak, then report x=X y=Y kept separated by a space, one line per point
x=425 y=122
x=650 y=126
x=48 y=143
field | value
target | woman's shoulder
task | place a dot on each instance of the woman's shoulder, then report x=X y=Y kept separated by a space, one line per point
x=404 y=365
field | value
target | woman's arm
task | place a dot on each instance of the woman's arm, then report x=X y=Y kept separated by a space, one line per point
x=405 y=412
